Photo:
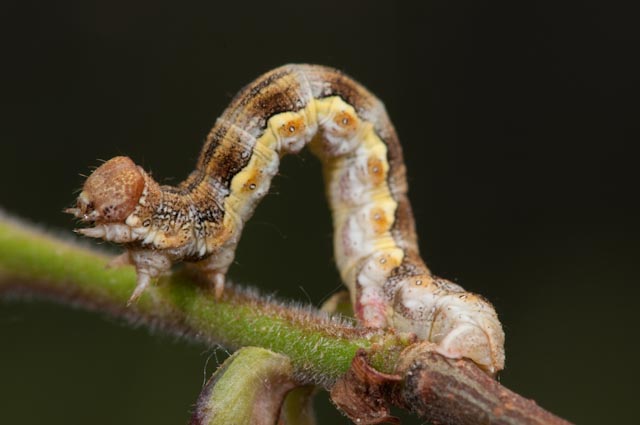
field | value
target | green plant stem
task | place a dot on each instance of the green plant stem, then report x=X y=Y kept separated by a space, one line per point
x=320 y=348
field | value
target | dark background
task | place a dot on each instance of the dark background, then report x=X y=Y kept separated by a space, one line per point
x=516 y=119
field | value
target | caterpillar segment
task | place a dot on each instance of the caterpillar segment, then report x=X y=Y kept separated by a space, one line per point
x=376 y=250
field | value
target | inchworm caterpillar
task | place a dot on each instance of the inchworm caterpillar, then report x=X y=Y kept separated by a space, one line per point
x=201 y=219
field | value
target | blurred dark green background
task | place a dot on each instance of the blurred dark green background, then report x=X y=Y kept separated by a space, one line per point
x=516 y=119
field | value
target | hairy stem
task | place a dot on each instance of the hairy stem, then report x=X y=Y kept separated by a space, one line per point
x=372 y=368
x=33 y=263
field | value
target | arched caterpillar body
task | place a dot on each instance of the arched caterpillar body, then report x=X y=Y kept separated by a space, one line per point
x=376 y=250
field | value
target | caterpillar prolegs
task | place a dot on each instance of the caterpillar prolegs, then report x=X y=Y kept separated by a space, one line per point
x=201 y=219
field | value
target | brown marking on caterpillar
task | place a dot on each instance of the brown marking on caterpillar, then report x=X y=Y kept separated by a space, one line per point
x=375 y=243
x=404 y=227
x=228 y=157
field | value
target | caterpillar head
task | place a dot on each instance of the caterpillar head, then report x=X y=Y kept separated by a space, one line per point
x=461 y=324
x=110 y=193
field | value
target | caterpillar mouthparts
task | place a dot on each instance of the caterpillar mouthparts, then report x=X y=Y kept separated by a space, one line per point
x=347 y=128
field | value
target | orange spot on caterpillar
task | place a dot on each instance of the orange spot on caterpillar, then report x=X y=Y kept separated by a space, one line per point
x=387 y=263
x=249 y=186
x=251 y=183
x=292 y=127
x=379 y=220
x=346 y=121
x=375 y=169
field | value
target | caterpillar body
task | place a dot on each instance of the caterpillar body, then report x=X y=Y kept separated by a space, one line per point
x=201 y=219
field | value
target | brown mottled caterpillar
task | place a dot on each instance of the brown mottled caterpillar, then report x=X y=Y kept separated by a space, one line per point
x=201 y=219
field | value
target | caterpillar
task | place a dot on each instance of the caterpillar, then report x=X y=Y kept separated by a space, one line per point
x=376 y=250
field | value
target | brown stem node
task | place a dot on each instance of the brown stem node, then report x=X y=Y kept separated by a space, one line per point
x=362 y=393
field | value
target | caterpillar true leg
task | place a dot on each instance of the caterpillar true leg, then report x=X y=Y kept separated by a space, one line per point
x=375 y=243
